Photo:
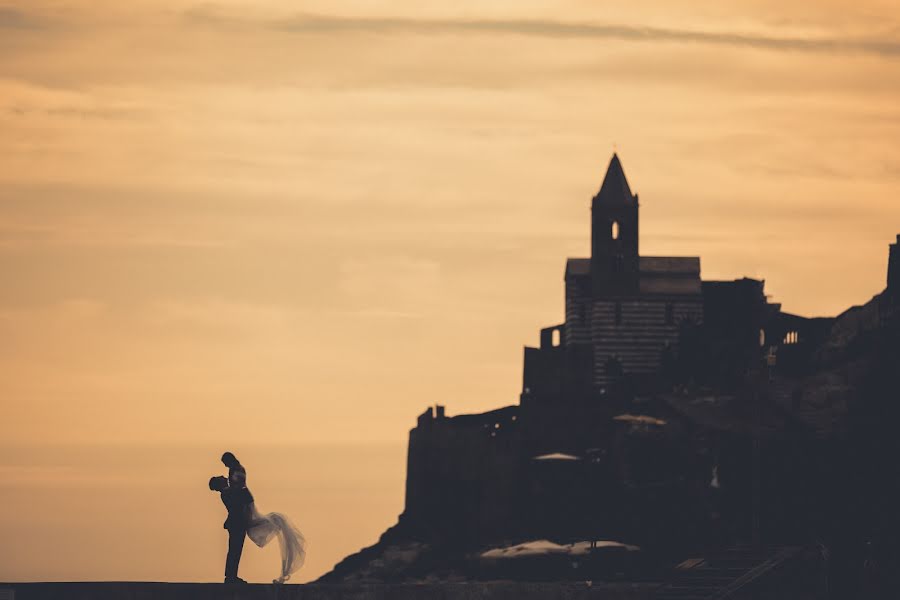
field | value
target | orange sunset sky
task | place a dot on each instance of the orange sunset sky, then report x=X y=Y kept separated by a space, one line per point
x=232 y=223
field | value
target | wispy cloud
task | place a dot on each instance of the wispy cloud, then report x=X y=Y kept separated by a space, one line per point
x=319 y=23
x=11 y=18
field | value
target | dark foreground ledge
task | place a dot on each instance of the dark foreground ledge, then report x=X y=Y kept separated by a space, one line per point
x=217 y=591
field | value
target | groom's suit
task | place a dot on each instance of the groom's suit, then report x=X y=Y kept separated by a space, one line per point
x=237 y=501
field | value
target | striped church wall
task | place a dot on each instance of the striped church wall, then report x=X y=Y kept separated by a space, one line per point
x=640 y=336
x=578 y=308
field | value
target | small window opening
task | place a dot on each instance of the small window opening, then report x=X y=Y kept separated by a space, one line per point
x=615 y=230
x=762 y=338
x=554 y=338
x=792 y=337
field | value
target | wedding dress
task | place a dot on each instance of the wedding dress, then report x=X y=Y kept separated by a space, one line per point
x=263 y=528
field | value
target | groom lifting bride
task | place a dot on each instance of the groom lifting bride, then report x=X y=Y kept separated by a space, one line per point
x=245 y=520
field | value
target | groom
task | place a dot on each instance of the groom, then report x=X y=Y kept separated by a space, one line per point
x=237 y=500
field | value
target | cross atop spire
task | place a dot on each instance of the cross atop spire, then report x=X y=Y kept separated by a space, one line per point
x=615 y=188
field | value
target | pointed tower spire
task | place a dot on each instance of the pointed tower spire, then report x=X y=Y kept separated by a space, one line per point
x=615 y=189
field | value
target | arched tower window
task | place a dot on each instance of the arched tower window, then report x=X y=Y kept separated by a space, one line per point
x=615 y=230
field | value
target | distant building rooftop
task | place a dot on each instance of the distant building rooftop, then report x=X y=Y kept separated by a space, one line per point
x=556 y=456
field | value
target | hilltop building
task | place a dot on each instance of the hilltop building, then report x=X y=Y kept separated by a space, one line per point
x=639 y=413
x=622 y=308
x=625 y=315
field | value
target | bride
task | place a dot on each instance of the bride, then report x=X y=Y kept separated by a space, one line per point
x=263 y=527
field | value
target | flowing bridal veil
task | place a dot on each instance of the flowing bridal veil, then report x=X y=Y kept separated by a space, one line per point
x=292 y=543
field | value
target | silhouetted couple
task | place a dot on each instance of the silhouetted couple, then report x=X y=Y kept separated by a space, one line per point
x=244 y=520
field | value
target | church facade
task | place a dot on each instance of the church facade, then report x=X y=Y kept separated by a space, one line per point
x=624 y=309
x=624 y=312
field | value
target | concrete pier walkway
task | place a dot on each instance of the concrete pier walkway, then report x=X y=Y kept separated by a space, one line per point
x=218 y=591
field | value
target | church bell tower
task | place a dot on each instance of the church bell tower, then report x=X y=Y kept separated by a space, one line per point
x=614 y=235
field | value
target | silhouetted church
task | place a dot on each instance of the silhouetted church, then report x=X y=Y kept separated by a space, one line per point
x=624 y=316
x=624 y=309
x=641 y=418
x=649 y=357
